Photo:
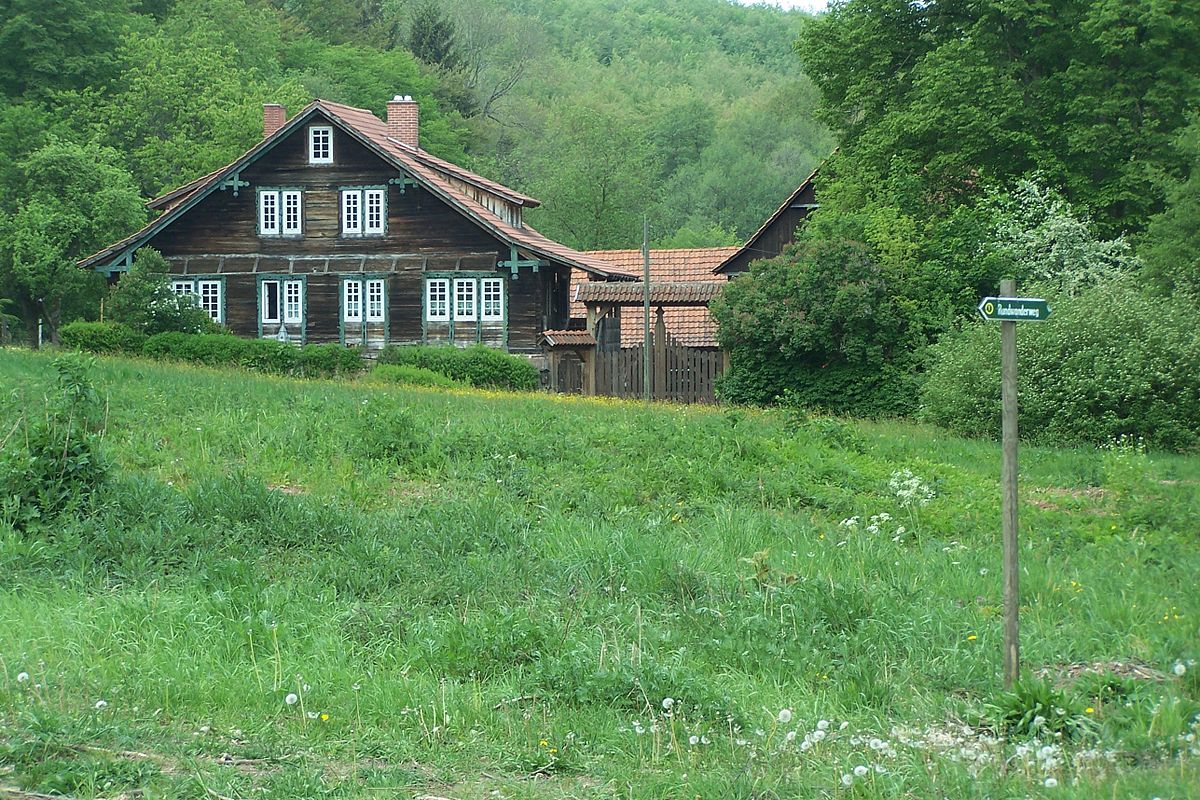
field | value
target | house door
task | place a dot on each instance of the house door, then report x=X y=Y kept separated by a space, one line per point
x=364 y=312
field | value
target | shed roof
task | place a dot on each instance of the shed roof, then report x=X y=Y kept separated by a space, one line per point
x=751 y=244
x=568 y=338
x=627 y=293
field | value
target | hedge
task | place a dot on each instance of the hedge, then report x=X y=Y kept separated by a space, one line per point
x=413 y=376
x=477 y=365
x=262 y=355
x=102 y=337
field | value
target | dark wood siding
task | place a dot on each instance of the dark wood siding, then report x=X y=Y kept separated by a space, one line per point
x=219 y=236
x=771 y=241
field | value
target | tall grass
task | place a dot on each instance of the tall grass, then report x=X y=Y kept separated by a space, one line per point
x=468 y=592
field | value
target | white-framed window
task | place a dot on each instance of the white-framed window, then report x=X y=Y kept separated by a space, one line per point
x=351 y=211
x=268 y=213
x=320 y=144
x=364 y=212
x=375 y=310
x=269 y=301
x=492 y=299
x=464 y=299
x=293 y=301
x=375 y=203
x=211 y=299
x=280 y=212
x=437 y=300
x=183 y=287
x=352 y=301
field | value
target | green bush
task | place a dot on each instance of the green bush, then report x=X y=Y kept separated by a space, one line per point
x=477 y=365
x=102 y=337
x=1111 y=362
x=413 y=376
x=261 y=355
x=143 y=300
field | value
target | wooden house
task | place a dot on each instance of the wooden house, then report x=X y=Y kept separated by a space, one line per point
x=339 y=227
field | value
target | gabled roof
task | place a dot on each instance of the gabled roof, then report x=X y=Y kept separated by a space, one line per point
x=427 y=170
x=751 y=244
x=692 y=326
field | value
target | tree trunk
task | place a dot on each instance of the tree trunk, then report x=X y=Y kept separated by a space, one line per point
x=54 y=321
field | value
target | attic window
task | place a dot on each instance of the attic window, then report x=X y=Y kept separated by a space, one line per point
x=320 y=144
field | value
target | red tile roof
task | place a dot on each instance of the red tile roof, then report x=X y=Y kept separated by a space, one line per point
x=569 y=338
x=625 y=293
x=431 y=172
x=689 y=326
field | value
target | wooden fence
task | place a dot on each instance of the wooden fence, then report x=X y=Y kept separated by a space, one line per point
x=679 y=374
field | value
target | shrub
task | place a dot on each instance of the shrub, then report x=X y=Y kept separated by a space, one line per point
x=102 y=337
x=413 y=376
x=477 y=365
x=1110 y=362
x=261 y=355
x=388 y=432
x=51 y=462
x=143 y=300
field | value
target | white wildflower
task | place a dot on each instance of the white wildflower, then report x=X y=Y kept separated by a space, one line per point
x=22 y=677
x=1050 y=782
x=693 y=740
x=1180 y=669
x=668 y=703
x=101 y=705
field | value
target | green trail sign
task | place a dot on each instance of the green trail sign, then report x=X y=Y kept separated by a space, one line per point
x=1014 y=309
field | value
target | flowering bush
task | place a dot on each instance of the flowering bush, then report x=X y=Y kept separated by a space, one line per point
x=143 y=300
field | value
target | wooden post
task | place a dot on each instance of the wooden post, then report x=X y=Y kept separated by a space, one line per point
x=660 y=356
x=1008 y=480
x=588 y=356
x=646 y=308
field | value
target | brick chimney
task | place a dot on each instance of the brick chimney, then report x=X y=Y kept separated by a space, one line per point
x=274 y=115
x=403 y=116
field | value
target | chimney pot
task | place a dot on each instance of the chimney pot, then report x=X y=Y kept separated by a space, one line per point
x=274 y=116
x=403 y=120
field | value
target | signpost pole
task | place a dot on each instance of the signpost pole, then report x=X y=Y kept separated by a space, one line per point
x=1008 y=480
x=646 y=377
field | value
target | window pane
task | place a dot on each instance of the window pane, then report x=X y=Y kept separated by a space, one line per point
x=268 y=212
x=270 y=301
x=375 y=300
x=351 y=213
x=375 y=210
x=320 y=141
x=438 y=301
x=183 y=287
x=493 y=298
x=464 y=298
x=291 y=212
x=292 y=302
x=210 y=298
x=352 y=293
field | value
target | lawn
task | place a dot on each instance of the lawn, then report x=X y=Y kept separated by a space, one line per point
x=293 y=589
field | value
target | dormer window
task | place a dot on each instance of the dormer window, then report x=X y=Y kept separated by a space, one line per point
x=320 y=144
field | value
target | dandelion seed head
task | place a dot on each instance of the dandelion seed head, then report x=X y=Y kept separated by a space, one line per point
x=847 y=779
x=22 y=677
x=668 y=703
x=1050 y=782
x=823 y=725
x=101 y=705
x=791 y=736
x=291 y=699
x=860 y=771
x=1180 y=669
x=785 y=716
x=693 y=740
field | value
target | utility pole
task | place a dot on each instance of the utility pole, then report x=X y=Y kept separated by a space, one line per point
x=646 y=388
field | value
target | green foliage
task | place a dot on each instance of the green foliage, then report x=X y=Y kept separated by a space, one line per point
x=102 y=337
x=143 y=300
x=50 y=462
x=817 y=321
x=410 y=375
x=388 y=432
x=1038 y=709
x=261 y=355
x=1110 y=362
x=478 y=365
x=1171 y=244
x=431 y=36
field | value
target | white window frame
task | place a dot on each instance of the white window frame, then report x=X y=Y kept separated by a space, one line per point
x=357 y=286
x=320 y=154
x=473 y=314
x=184 y=287
x=443 y=284
x=496 y=284
x=288 y=228
x=379 y=196
x=375 y=300
x=361 y=199
x=213 y=303
x=264 y=307
x=352 y=225
x=273 y=212
x=287 y=304
x=268 y=212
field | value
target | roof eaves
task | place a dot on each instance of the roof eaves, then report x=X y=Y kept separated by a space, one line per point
x=749 y=245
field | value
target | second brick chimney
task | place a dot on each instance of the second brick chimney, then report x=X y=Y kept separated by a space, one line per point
x=274 y=115
x=403 y=117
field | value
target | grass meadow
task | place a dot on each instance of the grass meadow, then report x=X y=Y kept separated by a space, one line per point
x=311 y=589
